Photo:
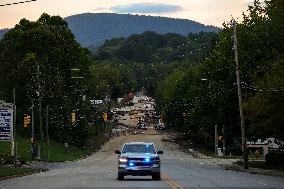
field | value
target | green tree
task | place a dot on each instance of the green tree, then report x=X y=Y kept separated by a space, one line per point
x=41 y=53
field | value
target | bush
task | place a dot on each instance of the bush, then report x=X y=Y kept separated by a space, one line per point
x=275 y=158
x=234 y=150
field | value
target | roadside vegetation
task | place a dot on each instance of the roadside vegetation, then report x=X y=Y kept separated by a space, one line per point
x=11 y=171
x=192 y=78
x=194 y=100
x=45 y=65
x=50 y=67
x=57 y=151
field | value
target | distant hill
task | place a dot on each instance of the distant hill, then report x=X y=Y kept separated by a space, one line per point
x=2 y=32
x=92 y=29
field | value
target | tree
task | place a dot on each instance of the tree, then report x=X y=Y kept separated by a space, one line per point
x=214 y=101
x=265 y=108
x=105 y=81
x=41 y=54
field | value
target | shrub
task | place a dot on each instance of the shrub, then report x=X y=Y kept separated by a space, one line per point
x=275 y=158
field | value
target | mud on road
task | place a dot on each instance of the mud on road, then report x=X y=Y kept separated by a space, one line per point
x=161 y=141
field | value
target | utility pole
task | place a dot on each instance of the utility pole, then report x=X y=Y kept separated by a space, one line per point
x=216 y=139
x=244 y=140
x=39 y=112
x=224 y=138
x=47 y=135
x=14 y=125
x=33 y=131
x=33 y=121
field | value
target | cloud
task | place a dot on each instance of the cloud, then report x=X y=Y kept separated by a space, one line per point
x=146 y=8
x=100 y=8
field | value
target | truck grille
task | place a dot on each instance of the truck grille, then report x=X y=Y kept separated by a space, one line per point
x=139 y=162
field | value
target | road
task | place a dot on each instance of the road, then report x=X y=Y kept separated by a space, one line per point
x=179 y=170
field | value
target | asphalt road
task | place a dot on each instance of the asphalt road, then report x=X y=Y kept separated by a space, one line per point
x=179 y=170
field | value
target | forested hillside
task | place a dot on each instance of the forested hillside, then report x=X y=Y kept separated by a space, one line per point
x=91 y=30
x=143 y=60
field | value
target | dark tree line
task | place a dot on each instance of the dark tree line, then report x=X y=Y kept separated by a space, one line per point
x=143 y=60
x=207 y=93
x=36 y=59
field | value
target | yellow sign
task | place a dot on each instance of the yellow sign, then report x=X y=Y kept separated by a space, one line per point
x=73 y=117
x=27 y=120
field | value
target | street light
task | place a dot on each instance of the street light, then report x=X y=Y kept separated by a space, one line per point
x=76 y=76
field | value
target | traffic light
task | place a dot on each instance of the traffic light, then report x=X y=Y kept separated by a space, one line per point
x=221 y=138
x=105 y=116
x=73 y=117
x=27 y=120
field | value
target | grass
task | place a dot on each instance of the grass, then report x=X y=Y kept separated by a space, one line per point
x=57 y=151
x=11 y=171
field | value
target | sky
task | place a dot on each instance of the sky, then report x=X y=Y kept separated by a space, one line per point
x=208 y=12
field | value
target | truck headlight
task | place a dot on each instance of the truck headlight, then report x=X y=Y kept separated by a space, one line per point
x=122 y=159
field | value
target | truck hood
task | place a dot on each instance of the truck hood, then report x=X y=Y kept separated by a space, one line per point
x=139 y=155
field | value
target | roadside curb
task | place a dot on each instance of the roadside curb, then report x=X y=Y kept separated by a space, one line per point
x=254 y=170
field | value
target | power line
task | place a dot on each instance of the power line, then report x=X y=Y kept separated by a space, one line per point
x=247 y=86
x=21 y=2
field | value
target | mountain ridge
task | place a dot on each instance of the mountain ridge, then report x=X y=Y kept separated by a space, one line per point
x=97 y=27
x=92 y=29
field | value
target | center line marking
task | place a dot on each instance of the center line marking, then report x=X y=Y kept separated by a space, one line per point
x=171 y=183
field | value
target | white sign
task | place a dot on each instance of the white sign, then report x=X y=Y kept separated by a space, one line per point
x=6 y=124
x=98 y=101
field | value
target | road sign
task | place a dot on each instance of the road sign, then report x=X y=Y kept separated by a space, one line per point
x=6 y=124
x=27 y=120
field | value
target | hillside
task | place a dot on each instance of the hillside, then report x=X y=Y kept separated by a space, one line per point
x=151 y=47
x=92 y=29
x=2 y=32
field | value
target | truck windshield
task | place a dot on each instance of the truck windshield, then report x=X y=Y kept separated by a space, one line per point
x=138 y=148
